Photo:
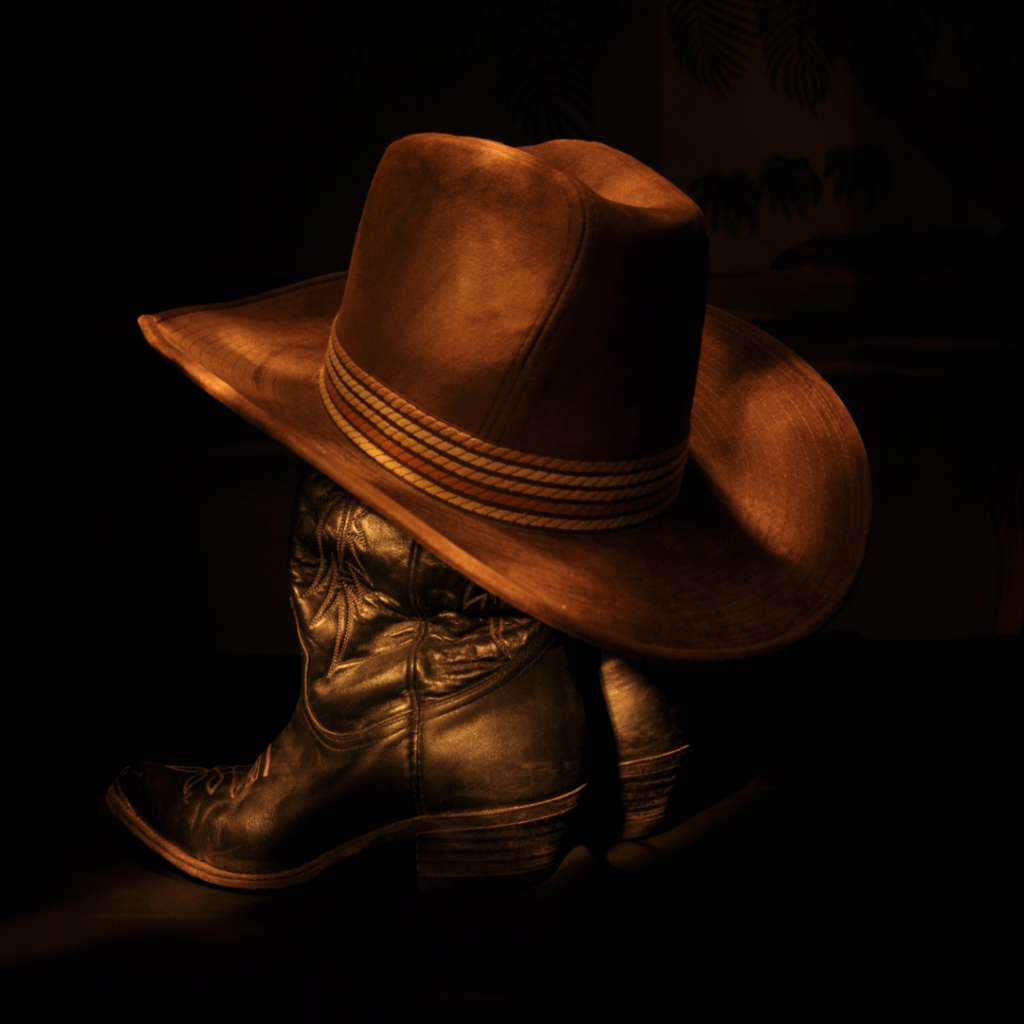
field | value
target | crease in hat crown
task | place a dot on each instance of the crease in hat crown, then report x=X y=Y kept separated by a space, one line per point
x=520 y=330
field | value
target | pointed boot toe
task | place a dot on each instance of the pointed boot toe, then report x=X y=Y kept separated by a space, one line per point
x=206 y=821
x=428 y=708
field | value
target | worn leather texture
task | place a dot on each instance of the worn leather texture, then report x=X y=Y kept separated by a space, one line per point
x=421 y=694
x=549 y=299
x=645 y=708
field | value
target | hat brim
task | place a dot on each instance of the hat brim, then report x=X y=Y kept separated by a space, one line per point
x=759 y=550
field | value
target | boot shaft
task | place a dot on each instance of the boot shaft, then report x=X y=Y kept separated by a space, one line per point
x=475 y=696
x=384 y=623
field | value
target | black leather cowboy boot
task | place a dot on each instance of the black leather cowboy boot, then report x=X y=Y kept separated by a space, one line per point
x=429 y=707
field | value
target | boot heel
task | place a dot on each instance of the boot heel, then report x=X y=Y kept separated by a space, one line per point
x=646 y=786
x=494 y=857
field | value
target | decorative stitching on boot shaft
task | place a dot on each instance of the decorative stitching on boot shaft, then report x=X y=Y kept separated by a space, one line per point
x=362 y=590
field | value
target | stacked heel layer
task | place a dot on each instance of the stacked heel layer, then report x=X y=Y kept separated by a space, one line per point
x=495 y=857
x=646 y=786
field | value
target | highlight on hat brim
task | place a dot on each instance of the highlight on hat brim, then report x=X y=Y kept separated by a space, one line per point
x=760 y=548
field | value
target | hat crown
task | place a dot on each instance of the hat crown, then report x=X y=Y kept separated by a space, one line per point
x=549 y=300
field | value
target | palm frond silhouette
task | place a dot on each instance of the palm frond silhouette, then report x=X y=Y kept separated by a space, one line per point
x=795 y=49
x=356 y=32
x=547 y=52
x=863 y=174
x=728 y=199
x=790 y=184
x=712 y=38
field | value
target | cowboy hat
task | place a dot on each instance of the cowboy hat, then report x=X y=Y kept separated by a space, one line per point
x=520 y=370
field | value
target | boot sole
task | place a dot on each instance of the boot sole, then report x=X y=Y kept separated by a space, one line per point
x=463 y=851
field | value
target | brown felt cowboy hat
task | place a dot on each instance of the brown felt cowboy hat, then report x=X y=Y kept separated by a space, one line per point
x=519 y=369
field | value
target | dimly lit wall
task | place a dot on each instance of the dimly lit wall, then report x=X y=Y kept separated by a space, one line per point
x=177 y=152
x=702 y=131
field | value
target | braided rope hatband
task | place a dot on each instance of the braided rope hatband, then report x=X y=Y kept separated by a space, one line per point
x=531 y=490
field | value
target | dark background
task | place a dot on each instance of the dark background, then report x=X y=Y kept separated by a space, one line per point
x=189 y=153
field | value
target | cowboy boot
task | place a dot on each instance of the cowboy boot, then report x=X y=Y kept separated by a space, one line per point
x=644 y=726
x=429 y=708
